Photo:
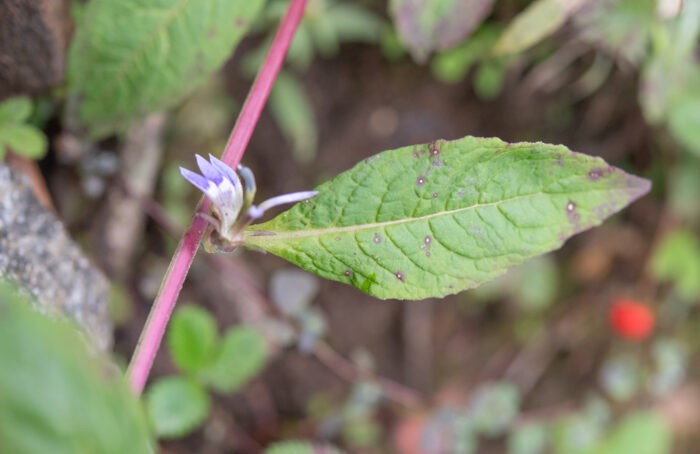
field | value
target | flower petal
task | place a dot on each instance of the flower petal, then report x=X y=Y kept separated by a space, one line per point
x=209 y=171
x=257 y=211
x=225 y=170
x=196 y=179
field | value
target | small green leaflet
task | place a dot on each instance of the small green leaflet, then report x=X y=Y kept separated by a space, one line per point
x=435 y=219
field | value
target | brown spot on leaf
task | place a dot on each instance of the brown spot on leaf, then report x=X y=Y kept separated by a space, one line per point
x=377 y=238
x=599 y=172
x=435 y=194
x=348 y=273
x=400 y=275
x=420 y=181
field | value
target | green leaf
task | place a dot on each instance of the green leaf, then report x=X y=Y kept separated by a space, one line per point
x=24 y=140
x=15 y=110
x=494 y=407
x=295 y=116
x=452 y=65
x=177 y=406
x=428 y=25
x=298 y=447
x=539 y=20
x=241 y=356
x=684 y=120
x=133 y=57
x=192 y=337
x=576 y=433
x=530 y=438
x=354 y=23
x=677 y=258
x=435 y=219
x=643 y=432
x=488 y=79
x=621 y=376
x=55 y=396
x=290 y=447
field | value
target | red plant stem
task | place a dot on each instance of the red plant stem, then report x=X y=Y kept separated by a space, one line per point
x=153 y=331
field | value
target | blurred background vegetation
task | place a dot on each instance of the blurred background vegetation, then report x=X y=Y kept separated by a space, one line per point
x=539 y=361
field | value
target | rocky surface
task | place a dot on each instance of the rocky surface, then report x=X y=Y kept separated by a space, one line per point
x=37 y=253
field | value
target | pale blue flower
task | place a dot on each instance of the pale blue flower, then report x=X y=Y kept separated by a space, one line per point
x=232 y=201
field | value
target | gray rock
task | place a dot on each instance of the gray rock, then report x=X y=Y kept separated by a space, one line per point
x=37 y=253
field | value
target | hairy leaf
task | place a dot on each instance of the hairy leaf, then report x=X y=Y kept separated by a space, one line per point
x=132 y=57
x=428 y=25
x=434 y=219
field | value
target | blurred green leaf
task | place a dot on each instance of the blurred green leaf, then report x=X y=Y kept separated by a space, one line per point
x=530 y=438
x=620 y=28
x=290 y=447
x=428 y=25
x=684 y=187
x=241 y=356
x=56 y=396
x=671 y=76
x=24 y=140
x=298 y=447
x=392 y=49
x=670 y=358
x=15 y=110
x=677 y=259
x=177 y=406
x=494 y=407
x=295 y=116
x=301 y=51
x=132 y=57
x=354 y=23
x=452 y=65
x=642 y=432
x=576 y=433
x=324 y=34
x=362 y=432
x=684 y=119
x=488 y=79
x=192 y=337
x=621 y=376
x=537 y=283
x=539 y=20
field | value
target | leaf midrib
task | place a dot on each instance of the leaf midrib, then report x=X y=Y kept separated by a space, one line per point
x=297 y=234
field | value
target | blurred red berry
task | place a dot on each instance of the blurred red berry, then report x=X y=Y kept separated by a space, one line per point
x=631 y=319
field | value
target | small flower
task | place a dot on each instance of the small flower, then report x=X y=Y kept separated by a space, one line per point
x=232 y=201
x=631 y=319
x=223 y=187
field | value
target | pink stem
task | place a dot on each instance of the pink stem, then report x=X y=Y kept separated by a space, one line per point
x=152 y=334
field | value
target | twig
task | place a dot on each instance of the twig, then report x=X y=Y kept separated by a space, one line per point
x=152 y=334
x=347 y=371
